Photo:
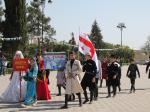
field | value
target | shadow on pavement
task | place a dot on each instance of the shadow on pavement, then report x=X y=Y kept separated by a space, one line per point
x=138 y=89
x=44 y=105
x=9 y=105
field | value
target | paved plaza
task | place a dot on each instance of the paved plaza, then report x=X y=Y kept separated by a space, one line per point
x=123 y=102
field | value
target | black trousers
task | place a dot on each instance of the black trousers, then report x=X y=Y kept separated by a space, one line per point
x=91 y=86
x=132 y=80
x=59 y=89
x=47 y=75
x=112 y=83
x=119 y=83
x=101 y=81
x=67 y=99
x=96 y=89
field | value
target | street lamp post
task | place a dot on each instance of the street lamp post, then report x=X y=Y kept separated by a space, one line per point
x=121 y=26
x=148 y=48
x=43 y=6
x=42 y=3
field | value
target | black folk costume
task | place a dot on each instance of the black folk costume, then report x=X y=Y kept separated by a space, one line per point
x=90 y=70
x=131 y=73
x=113 y=71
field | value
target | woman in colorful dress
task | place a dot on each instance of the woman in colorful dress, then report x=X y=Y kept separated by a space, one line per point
x=30 y=77
x=42 y=89
x=12 y=93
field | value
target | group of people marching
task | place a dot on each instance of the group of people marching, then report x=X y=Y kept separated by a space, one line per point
x=109 y=70
x=28 y=86
x=34 y=83
x=74 y=84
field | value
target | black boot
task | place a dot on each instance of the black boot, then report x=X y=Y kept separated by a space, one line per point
x=134 y=89
x=66 y=102
x=73 y=97
x=80 y=100
x=109 y=93
x=96 y=93
x=114 y=91
x=59 y=91
x=108 y=96
x=131 y=89
x=101 y=83
x=106 y=83
x=86 y=97
x=91 y=96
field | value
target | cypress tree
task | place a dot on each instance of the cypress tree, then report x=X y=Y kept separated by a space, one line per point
x=96 y=36
x=14 y=25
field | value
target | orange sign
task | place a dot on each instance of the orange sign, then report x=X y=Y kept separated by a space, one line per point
x=20 y=64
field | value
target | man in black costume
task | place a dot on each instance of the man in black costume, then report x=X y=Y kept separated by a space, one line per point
x=88 y=80
x=113 y=71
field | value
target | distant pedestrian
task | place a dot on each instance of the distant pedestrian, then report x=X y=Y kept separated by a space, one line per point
x=4 y=65
x=131 y=73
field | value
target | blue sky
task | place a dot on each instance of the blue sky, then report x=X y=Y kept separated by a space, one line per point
x=70 y=15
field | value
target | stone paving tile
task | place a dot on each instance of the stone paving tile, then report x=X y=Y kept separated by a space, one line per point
x=123 y=102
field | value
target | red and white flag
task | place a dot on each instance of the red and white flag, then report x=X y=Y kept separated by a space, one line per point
x=86 y=46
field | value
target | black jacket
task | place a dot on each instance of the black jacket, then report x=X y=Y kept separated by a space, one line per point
x=132 y=69
x=113 y=70
x=90 y=68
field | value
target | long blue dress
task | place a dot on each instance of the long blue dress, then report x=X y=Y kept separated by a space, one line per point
x=31 y=85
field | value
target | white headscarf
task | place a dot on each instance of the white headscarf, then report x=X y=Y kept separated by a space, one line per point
x=18 y=53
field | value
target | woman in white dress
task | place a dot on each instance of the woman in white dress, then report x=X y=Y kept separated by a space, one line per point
x=12 y=93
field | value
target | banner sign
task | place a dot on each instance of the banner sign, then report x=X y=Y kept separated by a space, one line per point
x=20 y=64
x=54 y=60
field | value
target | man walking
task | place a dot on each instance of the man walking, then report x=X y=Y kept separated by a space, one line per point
x=131 y=73
x=88 y=80
x=113 y=71
x=73 y=70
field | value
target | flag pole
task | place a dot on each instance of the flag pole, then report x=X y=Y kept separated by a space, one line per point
x=78 y=44
x=79 y=52
x=20 y=87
